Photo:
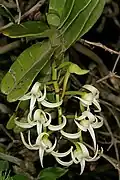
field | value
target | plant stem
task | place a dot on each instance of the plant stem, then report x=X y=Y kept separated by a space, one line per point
x=56 y=87
x=67 y=75
x=74 y=93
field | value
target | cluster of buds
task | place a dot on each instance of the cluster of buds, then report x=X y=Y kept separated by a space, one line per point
x=43 y=121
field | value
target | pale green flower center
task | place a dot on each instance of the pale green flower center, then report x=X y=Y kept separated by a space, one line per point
x=47 y=142
x=85 y=123
x=78 y=154
x=88 y=97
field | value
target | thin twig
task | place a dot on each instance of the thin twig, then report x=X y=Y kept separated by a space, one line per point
x=108 y=158
x=10 y=47
x=99 y=45
x=36 y=6
x=39 y=4
x=113 y=140
x=116 y=62
x=19 y=11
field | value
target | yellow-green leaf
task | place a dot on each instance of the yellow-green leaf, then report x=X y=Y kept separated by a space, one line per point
x=74 y=68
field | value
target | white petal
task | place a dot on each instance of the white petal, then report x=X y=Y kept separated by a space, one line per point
x=29 y=140
x=53 y=147
x=29 y=119
x=84 y=149
x=48 y=120
x=90 y=116
x=92 y=133
x=43 y=96
x=92 y=89
x=97 y=124
x=82 y=163
x=27 y=145
x=58 y=127
x=39 y=138
x=56 y=154
x=80 y=126
x=35 y=88
x=51 y=105
x=80 y=117
x=26 y=97
x=34 y=146
x=96 y=103
x=74 y=159
x=94 y=158
x=24 y=125
x=39 y=127
x=41 y=154
x=84 y=102
x=37 y=114
x=70 y=135
x=32 y=102
x=63 y=163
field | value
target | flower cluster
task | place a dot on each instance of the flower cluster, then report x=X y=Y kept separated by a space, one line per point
x=42 y=120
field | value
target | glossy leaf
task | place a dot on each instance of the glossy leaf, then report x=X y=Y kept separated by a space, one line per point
x=82 y=17
x=52 y=173
x=29 y=28
x=55 y=12
x=24 y=70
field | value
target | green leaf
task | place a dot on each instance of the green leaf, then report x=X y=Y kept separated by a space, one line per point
x=27 y=29
x=52 y=173
x=6 y=13
x=19 y=177
x=66 y=11
x=4 y=165
x=82 y=17
x=93 y=16
x=74 y=68
x=64 y=65
x=24 y=70
x=11 y=122
x=55 y=12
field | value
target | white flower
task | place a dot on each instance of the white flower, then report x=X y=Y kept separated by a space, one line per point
x=43 y=144
x=40 y=119
x=81 y=154
x=58 y=155
x=58 y=127
x=36 y=95
x=89 y=98
x=87 y=121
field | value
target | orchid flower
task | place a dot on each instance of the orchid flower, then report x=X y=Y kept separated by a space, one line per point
x=81 y=154
x=89 y=98
x=40 y=120
x=43 y=144
x=58 y=155
x=87 y=121
x=36 y=95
